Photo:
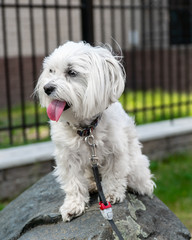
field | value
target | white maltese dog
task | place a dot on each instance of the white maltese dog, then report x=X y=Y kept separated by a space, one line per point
x=80 y=86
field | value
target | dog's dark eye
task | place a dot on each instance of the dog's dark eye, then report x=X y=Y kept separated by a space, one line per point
x=72 y=73
x=50 y=70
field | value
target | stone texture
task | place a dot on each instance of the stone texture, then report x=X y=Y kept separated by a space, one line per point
x=34 y=215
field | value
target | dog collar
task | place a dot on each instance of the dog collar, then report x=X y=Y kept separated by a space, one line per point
x=86 y=131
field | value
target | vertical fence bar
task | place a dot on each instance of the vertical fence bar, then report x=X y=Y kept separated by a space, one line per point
x=57 y=23
x=123 y=26
x=185 y=79
x=7 y=69
x=188 y=77
x=34 y=71
x=152 y=58
x=102 y=27
x=143 y=60
x=170 y=73
x=21 y=77
x=124 y=49
x=132 y=60
x=178 y=80
x=161 y=58
x=165 y=61
x=45 y=29
x=185 y=69
x=112 y=7
x=69 y=18
x=87 y=21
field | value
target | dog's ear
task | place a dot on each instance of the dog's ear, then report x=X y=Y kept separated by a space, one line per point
x=106 y=83
x=116 y=75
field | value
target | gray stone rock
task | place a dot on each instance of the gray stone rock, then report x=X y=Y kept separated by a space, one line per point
x=34 y=216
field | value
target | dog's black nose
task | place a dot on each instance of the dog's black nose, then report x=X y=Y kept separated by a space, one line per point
x=48 y=88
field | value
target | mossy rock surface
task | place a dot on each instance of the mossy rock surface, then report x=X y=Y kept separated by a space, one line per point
x=34 y=215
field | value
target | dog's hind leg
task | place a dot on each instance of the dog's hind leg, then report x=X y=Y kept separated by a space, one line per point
x=140 y=177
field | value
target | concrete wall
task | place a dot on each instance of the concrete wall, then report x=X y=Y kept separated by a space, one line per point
x=14 y=181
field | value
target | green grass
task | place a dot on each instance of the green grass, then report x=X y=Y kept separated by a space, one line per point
x=174 y=184
x=159 y=105
x=3 y=204
x=16 y=114
x=17 y=121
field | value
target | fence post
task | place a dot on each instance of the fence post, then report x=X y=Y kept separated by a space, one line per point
x=87 y=21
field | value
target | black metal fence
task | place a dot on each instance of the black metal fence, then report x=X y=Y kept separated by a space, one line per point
x=155 y=37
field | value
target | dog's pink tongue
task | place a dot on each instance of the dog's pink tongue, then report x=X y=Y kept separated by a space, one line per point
x=55 y=109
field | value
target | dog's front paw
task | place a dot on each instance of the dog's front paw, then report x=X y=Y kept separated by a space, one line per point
x=70 y=210
x=115 y=197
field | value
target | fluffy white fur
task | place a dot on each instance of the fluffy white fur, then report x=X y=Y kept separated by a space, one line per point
x=94 y=89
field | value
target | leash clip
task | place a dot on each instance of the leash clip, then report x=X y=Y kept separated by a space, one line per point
x=90 y=141
x=106 y=211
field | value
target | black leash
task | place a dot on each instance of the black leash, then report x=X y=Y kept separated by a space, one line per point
x=105 y=207
x=107 y=215
x=98 y=183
